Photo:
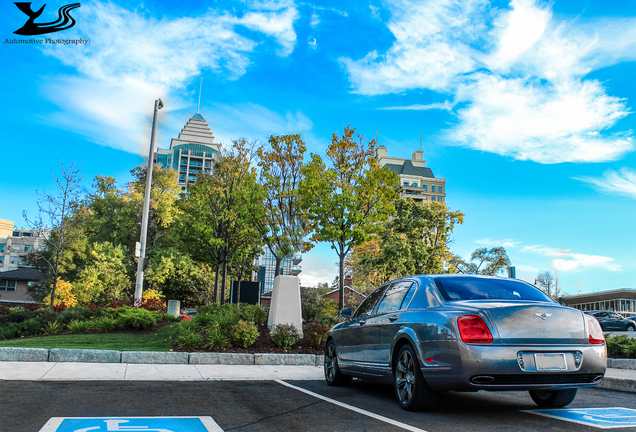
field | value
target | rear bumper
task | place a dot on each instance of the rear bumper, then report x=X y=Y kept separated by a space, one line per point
x=487 y=367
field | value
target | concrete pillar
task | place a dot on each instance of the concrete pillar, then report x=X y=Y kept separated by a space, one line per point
x=174 y=308
x=285 y=306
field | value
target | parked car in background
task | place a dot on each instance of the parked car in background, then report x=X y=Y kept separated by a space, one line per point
x=612 y=321
x=432 y=333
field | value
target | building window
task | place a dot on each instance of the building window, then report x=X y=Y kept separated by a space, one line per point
x=7 y=285
x=439 y=189
x=414 y=184
x=406 y=183
x=425 y=187
x=2 y=246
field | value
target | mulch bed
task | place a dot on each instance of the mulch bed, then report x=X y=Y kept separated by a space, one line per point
x=263 y=345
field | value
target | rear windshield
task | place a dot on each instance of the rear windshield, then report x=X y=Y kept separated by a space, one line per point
x=470 y=288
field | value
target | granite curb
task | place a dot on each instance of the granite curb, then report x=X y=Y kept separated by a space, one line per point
x=63 y=355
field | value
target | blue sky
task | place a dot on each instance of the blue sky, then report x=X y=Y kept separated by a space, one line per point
x=525 y=107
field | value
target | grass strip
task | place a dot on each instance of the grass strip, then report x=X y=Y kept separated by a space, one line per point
x=160 y=341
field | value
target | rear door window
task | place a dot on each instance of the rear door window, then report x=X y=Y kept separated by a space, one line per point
x=394 y=297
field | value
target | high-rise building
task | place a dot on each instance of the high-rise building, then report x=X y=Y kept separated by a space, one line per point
x=193 y=152
x=417 y=180
x=267 y=268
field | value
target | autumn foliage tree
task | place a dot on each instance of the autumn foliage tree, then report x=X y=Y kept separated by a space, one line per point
x=416 y=241
x=348 y=199
x=282 y=221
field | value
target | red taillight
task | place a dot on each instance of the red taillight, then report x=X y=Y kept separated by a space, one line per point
x=596 y=332
x=473 y=329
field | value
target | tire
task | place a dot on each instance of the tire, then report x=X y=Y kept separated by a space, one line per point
x=332 y=372
x=410 y=388
x=631 y=328
x=553 y=398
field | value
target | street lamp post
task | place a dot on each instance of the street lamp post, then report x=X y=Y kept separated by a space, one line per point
x=144 y=219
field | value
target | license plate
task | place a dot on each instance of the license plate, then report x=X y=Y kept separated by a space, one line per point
x=550 y=361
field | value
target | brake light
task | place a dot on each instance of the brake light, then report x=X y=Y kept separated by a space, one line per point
x=473 y=329
x=596 y=332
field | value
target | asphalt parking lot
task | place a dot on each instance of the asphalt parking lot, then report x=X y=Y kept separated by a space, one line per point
x=283 y=406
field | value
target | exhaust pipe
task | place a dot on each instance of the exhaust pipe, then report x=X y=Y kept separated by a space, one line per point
x=597 y=379
x=483 y=380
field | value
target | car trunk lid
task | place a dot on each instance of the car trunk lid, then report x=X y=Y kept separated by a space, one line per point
x=536 y=323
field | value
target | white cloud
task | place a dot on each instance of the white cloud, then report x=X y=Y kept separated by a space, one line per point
x=566 y=260
x=229 y=122
x=622 y=183
x=547 y=123
x=507 y=243
x=133 y=59
x=517 y=75
x=446 y=106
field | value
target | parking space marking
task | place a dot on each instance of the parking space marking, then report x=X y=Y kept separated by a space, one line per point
x=132 y=424
x=352 y=408
x=602 y=418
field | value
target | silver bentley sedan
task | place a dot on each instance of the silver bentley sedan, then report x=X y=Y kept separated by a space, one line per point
x=432 y=333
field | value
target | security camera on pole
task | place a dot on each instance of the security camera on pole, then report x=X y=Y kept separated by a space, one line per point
x=144 y=219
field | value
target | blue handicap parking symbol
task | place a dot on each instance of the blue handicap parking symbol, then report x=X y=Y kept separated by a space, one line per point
x=603 y=418
x=131 y=424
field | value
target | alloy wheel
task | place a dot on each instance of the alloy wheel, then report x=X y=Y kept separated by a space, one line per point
x=405 y=377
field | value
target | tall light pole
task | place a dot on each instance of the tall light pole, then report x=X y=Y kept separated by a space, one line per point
x=144 y=219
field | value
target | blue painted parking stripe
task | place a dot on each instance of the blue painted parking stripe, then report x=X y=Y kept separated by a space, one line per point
x=602 y=418
x=132 y=424
x=353 y=408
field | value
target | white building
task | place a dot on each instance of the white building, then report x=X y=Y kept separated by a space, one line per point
x=417 y=180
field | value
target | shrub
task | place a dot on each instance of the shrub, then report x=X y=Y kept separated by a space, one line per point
x=244 y=334
x=285 y=336
x=9 y=330
x=621 y=346
x=204 y=319
x=216 y=337
x=81 y=313
x=168 y=317
x=29 y=327
x=77 y=326
x=45 y=315
x=316 y=335
x=52 y=327
x=136 y=319
x=16 y=315
x=189 y=340
x=186 y=327
x=253 y=313
x=103 y=324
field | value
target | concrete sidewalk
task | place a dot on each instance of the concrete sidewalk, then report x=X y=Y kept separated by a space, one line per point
x=615 y=379
x=69 y=371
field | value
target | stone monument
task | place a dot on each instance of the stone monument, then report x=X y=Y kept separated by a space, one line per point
x=285 y=306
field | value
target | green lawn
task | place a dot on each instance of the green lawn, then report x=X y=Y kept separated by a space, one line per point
x=160 y=341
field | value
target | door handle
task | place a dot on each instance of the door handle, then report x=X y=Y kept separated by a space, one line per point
x=362 y=322
x=393 y=318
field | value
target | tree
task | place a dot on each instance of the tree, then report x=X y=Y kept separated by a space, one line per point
x=104 y=279
x=416 y=241
x=177 y=276
x=58 y=212
x=283 y=223
x=218 y=212
x=483 y=261
x=347 y=201
x=548 y=282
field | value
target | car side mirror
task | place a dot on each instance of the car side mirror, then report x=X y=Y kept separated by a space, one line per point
x=346 y=314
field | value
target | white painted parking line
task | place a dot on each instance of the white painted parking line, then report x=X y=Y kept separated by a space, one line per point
x=132 y=424
x=602 y=418
x=352 y=408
